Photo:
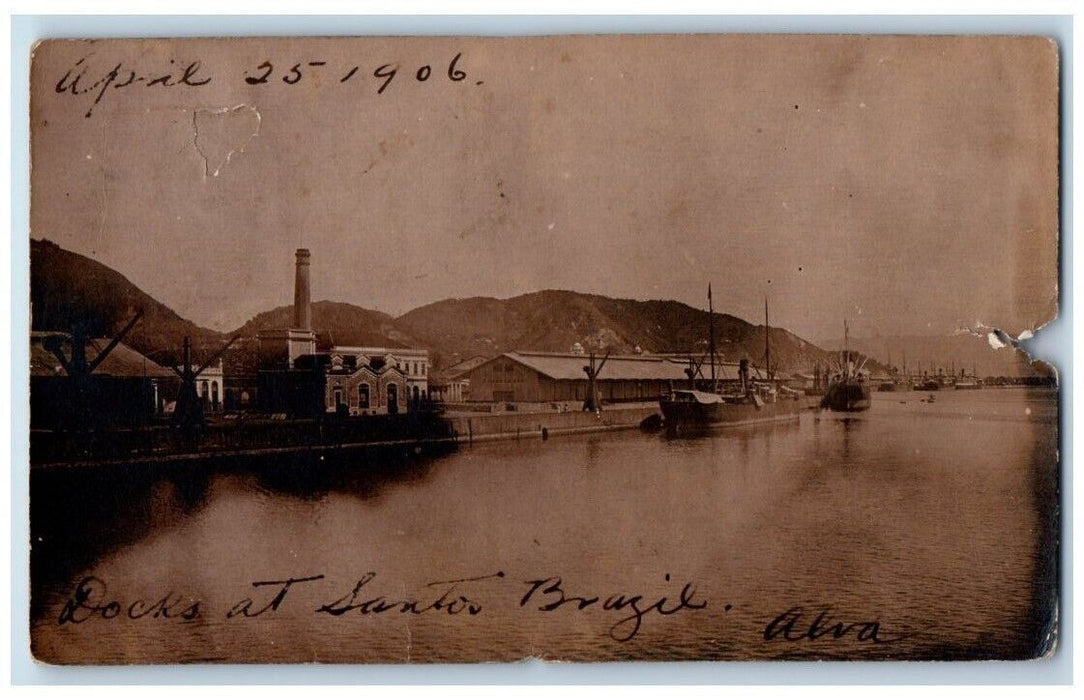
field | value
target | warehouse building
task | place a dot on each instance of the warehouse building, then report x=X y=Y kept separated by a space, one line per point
x=125 y=389
x=547 y=377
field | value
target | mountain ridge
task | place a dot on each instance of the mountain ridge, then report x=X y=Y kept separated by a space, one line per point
x=66 y=287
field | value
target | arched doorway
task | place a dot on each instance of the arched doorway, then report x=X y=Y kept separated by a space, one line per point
x=393 y=399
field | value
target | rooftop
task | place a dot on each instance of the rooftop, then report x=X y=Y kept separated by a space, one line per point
x=631 y=367
x=122 y=362
x=386 y=350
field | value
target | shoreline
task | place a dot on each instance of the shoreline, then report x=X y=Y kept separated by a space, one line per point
x=459 y=430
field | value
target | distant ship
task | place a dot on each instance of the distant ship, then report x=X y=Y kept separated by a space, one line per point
x=849 y=389
x=972 y=382
x=749 y=403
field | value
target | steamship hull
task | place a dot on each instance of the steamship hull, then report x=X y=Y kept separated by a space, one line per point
x=847 y=396
x=698 y=410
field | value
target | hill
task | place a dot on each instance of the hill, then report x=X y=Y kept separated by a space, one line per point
x=556 y=320
x=68 y=289
x=345 y=324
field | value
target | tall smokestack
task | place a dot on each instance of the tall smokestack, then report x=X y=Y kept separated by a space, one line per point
x=302 y=296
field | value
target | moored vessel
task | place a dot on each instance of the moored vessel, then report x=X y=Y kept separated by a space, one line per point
x=971 y=381
x=748 y=403
x=849 y=388
x=688 y=408
x=848 y=394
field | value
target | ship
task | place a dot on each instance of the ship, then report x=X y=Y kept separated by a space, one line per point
x=748 y=402
x=969 y=382
x=849 y=388
x=890 y=383
x=688 y=408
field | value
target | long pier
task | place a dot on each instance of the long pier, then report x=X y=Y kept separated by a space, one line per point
x=312 y=440
x=516 y=426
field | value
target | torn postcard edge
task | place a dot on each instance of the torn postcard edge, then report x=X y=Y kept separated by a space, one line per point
x=580 y=348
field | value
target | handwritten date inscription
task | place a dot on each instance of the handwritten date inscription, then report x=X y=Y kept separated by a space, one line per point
x=96 y=82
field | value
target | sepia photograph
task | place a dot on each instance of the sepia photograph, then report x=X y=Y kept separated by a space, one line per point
x=459 y=349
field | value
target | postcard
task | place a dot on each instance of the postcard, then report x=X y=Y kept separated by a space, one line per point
x=580 y=348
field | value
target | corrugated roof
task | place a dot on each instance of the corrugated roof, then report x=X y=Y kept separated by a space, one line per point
x=122 y=362
x=623 y=367
x=465 y=366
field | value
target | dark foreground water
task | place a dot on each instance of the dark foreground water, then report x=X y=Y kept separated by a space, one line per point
x=916 y=530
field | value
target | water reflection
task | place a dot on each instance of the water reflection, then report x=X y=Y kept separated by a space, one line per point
x=78 y=516
x=81 y=516
x=315 y=480
x=934 y=519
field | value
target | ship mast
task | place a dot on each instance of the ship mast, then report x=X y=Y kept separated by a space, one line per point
x=711 y=337
x=846 y=351
x=767 y=347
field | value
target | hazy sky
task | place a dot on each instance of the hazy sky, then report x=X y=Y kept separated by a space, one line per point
x=908 y=184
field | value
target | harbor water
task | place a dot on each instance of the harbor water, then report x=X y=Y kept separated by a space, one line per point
x=916 y=530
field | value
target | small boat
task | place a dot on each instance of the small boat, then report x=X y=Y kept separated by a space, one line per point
x=886 y=386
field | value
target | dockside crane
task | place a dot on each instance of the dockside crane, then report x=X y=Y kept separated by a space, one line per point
x=79 y=369
x=188 y=413
x=592 y=402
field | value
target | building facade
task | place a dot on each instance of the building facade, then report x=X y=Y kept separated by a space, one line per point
x=449 y=389
x=413 y=363
x=452 y=385
x=210 y=388
x=374 y=387
x=550 y=377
